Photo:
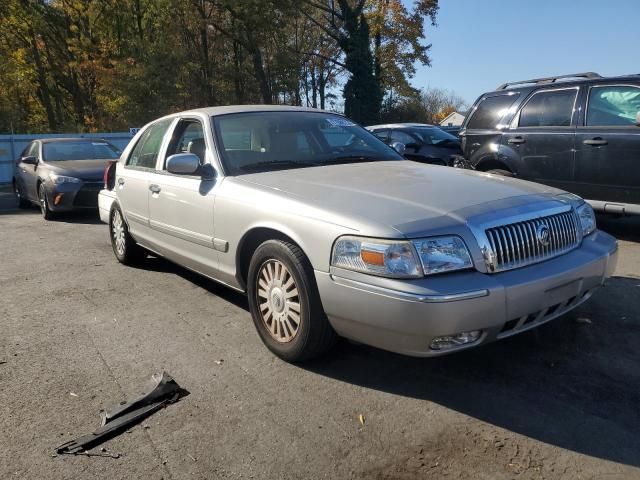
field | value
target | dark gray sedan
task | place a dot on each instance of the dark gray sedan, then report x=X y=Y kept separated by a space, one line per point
x=62 y=174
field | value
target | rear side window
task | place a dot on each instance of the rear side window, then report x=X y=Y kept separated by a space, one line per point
x=146 y=151
x=613 y=106
x=549 y=109
x=489 y=112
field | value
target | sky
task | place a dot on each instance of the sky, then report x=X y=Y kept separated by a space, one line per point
x=479 y=44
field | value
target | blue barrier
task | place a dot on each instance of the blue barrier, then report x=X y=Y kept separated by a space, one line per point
x=11 y=146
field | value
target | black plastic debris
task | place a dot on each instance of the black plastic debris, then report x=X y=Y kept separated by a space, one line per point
x=159 y=392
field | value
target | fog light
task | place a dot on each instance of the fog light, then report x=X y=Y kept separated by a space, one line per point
x=57 y=199
x=457 y=340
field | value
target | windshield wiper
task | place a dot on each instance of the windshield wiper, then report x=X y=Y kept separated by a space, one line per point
x=351 y=158
x=276 y=163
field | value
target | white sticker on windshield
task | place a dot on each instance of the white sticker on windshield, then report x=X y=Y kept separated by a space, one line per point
x=99 y=143
x=340 y=122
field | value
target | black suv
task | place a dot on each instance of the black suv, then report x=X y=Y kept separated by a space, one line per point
x=578 y=132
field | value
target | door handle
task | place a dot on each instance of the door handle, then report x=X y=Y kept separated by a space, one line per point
x=120 y=181
x=596 y=141
x=154 y=188
x=516 y=140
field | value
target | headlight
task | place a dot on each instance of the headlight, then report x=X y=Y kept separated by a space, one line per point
x=62 y=179
x=399 y=258
x=587 y=218
x=443 y=254
x=387 y=258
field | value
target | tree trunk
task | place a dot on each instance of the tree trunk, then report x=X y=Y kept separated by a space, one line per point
x=43 y=87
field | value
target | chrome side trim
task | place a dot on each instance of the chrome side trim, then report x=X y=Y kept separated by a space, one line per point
x=137 y=218
x=406 y=296
x=198 y=238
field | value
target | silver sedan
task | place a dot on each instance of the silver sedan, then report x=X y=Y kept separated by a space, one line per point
x=331 y=233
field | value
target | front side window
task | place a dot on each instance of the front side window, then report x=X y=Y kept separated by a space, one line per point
x=402 y=137
x=188 y=137
x=263 y=141
x=549 y=109
x=435 y=136
x=490 y=111
x=79 y=150
x=382 y=135
x=146 y=151
x=32 y=151
x=613 y=106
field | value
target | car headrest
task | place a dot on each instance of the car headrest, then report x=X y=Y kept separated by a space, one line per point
x=197 y=147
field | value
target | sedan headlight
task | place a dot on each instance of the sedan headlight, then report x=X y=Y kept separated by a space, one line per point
x=587 y=218
x=58 y=179
x=401 y=258
x=443 y=254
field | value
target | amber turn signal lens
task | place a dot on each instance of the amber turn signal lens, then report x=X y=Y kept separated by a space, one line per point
x=58 y=199
x=372 y=258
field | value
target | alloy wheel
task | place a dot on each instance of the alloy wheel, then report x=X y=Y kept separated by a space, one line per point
x=279 y=301
x=117 y=229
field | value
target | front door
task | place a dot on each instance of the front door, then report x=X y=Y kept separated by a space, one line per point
x=608 y=147
x=28 y=174
x=542 y=135
x=181 y=206
x=132 y=180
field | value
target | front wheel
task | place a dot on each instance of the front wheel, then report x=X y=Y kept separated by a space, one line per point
x=22 y=202
x=285 y=304
x=47 y=214
x=125 y=248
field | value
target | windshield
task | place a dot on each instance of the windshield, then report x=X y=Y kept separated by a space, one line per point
x=434 y=136
x=80 y=150
x=263 y=141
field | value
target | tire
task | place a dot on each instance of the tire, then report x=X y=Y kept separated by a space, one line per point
x=285 y=304
x=22 y=202
x=125 y=248
x=499 y=171
x=47 y=214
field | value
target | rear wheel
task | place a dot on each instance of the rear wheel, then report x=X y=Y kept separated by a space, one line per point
x=47 y=214
x=22 y=202
x=285 y=304
x=500 y=171
x=125 y=248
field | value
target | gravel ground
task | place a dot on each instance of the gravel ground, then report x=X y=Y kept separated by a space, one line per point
x=80 y=332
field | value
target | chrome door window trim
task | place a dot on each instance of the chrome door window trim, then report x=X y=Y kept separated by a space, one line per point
x=514 y=124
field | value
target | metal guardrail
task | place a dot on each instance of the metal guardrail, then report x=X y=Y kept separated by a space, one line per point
x=12 y=145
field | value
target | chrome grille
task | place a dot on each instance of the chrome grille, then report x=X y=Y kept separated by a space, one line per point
x=517 y=244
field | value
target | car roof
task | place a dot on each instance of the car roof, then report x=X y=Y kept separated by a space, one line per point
x=572 y=82
x=69 y=139
x=403 y=125
x=227 y=109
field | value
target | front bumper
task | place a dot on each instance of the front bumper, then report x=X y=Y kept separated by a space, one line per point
x=405 y=316
x=66 y=197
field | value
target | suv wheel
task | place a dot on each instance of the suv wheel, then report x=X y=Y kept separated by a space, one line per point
x=285 y=304
x=125 y=248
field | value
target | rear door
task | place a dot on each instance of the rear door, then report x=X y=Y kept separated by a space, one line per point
x=608 y=147
x=542 y=134
x=132 y=179
x=181 y=206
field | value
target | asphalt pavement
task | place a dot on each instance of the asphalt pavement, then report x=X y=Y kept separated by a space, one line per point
x=80 y=333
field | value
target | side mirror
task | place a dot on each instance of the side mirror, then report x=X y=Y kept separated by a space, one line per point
x=183 y=164
x=399 y=147
x=29 y=160
x=413 y=145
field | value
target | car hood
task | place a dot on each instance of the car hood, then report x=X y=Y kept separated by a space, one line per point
x=84 y=169
x=405 y=195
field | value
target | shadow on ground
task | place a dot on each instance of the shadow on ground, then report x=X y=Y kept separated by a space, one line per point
x=573 y=383
x=569 y=383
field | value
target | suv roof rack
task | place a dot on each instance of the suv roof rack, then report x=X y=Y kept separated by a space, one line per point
x=550 y=79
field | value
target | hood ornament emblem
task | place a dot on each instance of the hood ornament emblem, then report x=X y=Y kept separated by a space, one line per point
x=543 y=235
